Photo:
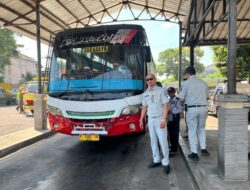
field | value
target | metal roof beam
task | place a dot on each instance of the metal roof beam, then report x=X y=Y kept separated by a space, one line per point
x=106 y=9
x=215 y=26
x=179 y=6
x=102 y=11
x=238 y=20
x=44 y=15
x=24 y=17
x=86 y=9
x=131 y=11
x=197 y=28
x=25 y=30
x=221 y=42
x=72 y=14
x=187 y=33
x=138 y=4
x=18 y=17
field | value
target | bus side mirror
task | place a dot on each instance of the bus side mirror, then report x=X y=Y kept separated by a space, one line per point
x=148 y=54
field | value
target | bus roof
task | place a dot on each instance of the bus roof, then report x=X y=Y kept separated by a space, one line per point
x=99 y=29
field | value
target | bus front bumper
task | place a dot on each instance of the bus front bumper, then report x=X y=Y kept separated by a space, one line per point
x=106 y=127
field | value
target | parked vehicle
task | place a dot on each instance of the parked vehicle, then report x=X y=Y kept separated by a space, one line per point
x=7 y=87
x=7 y=97
x=30 y=90
x=222 y=89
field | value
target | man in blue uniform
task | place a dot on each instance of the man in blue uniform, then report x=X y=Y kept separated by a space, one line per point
x=155 y=104
x=195 y=95
x=173 y=120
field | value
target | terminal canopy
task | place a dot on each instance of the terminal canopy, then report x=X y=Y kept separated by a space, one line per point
x=203 y=22
x=58 y=15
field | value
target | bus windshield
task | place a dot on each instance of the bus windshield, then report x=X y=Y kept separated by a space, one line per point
x=96 y=71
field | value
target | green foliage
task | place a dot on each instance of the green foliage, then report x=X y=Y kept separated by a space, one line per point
x=8 y=49
x=216 y=75
x=242 y=61
x=28 y=77
x=169 y=79
x=212 y=84
x=169 y=60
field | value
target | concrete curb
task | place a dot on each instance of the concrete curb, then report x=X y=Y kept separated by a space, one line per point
x=11 y=149
x=192 y=166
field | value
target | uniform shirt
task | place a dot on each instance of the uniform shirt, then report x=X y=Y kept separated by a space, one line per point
x=194 y=92
x=175 y=105
x=154 y=100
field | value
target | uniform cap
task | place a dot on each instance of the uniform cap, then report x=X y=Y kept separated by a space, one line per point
x=171 y=89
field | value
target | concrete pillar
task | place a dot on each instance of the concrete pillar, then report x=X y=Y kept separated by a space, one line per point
x=233 y=137
x=40 y=111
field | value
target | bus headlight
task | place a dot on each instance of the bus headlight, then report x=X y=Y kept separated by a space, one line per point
x=54 y=110
x=131 y=110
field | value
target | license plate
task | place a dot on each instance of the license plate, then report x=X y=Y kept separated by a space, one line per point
x=89 y=137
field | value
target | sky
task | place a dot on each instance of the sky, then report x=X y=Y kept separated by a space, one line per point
x=161 y=36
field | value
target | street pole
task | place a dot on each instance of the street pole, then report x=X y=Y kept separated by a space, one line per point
x=231 y=44
x=38 y=38
x=180 y=56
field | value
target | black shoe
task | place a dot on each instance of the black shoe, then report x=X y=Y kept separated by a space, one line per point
x=166 y=169
x=193 y=156
x=204 y=152
x=154 y=165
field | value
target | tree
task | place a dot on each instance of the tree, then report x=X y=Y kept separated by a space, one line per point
x=169 y=61
x=8 y=48
x=242 y=60
x=28 y=77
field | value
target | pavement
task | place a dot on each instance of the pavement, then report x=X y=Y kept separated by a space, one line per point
x=204 y=173
x=17 y=131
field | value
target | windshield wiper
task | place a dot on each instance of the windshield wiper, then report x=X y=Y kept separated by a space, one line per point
x=59 y=94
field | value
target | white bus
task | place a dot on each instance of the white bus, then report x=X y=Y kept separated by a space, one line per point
x=96 y=80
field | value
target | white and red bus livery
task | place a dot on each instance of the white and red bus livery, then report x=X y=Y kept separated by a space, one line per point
x=96 y=80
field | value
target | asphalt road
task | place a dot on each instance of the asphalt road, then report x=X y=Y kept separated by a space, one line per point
x=62 y=162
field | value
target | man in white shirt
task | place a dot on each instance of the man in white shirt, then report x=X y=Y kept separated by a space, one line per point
x=195 y=95
x=155 y=104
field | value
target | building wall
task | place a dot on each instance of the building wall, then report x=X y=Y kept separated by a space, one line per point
x=19 y=68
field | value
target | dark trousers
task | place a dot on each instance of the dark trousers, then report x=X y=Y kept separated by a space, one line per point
x=173 y=130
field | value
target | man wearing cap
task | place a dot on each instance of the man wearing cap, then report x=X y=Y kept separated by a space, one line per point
x=195 y=95
x=155 y=104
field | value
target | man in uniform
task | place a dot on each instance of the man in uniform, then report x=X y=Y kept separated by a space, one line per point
x=173 y=120
x=155 y=104
x=195 y=95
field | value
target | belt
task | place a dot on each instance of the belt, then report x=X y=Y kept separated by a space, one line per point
x=155 y=116
x=194 y=106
